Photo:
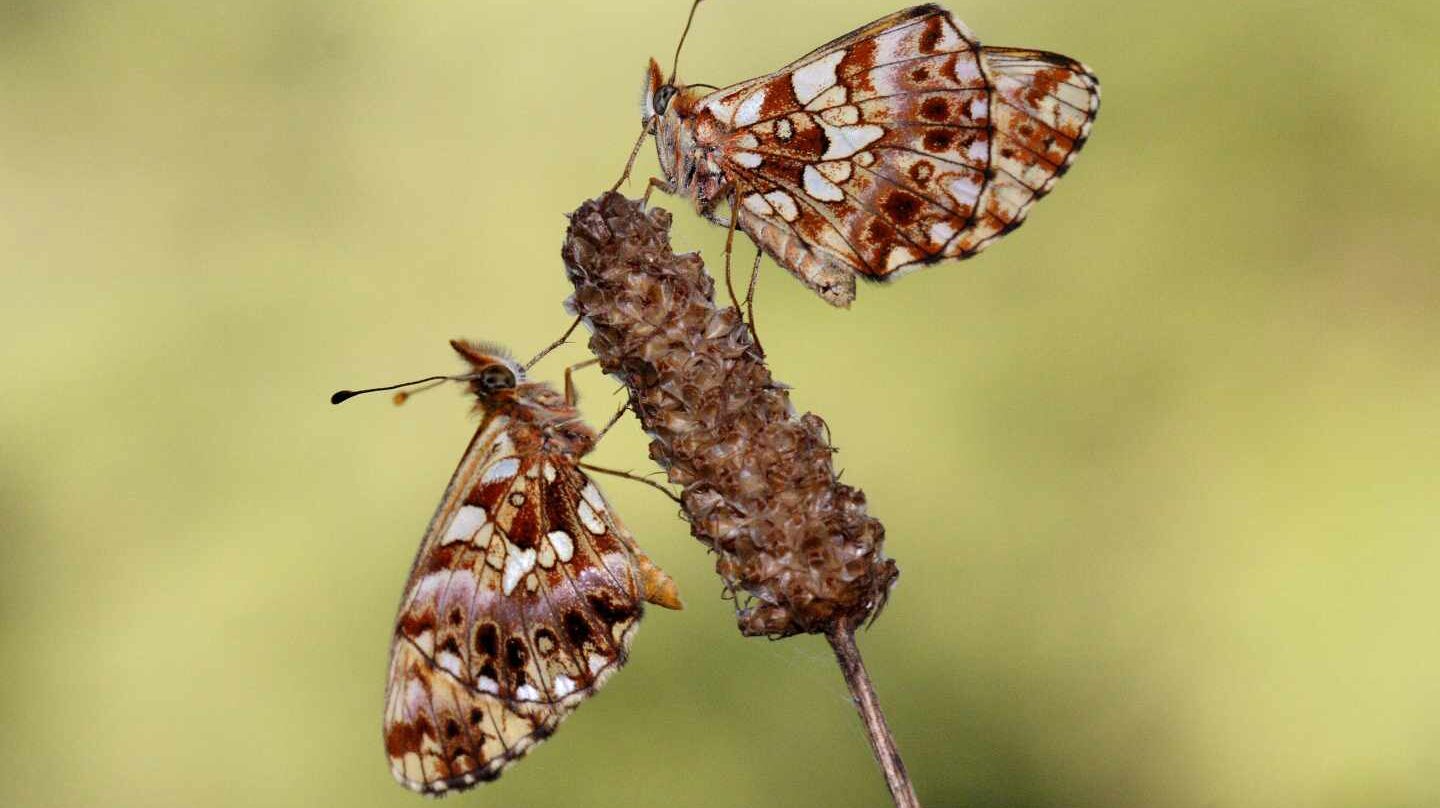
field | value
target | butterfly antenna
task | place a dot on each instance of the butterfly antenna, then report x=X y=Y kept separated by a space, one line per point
x=341 y=396
x=688 y=20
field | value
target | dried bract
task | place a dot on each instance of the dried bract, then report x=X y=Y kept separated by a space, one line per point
x=796 y=547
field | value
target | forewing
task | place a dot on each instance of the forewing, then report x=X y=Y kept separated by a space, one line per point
x=523 y=600
x=864 y=150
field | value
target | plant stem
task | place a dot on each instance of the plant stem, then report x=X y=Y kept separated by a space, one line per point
x=862 y=691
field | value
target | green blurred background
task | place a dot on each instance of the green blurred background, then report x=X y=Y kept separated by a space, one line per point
x=1160 y=470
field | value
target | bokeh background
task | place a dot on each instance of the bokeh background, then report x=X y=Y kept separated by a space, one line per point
x=1160 y=469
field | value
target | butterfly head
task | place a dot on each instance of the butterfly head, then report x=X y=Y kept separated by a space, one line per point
x=493 y=374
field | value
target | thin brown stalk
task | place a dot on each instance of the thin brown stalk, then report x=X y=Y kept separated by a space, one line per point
x=862 y=692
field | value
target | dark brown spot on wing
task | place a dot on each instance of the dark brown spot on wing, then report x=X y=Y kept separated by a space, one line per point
x=779 y=97
x=515 y=653
x=610 y=609
x=413 y=625
x=935 y=108
x=938 y=140
x=576 y=628
x=933 y=33
x=487 y=640
x=405 y=737
x=525 y=528
x=901 y=207
x=859 y=58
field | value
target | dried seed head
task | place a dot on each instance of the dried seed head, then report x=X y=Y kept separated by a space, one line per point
x=796 y=547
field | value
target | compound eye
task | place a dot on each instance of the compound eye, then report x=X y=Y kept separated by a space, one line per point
x=662 y=98
x=496 y=377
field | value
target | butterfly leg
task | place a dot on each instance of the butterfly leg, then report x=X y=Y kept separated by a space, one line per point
x=655 y=182
x=750 y=299
x=634 y=152
x=571 y=394
x=552 y=346
x=614 y=419
x=730 y=248
x=637 y=478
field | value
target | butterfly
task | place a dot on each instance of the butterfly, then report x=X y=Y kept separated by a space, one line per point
x=898 y=145
x=524 y=596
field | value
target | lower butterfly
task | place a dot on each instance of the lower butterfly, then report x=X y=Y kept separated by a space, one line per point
x=524 y=596
x=898 y=145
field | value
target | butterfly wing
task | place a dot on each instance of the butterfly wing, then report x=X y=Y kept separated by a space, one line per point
x=522 y=602
x=897 y=145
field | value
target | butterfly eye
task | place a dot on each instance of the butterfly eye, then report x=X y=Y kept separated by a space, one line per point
x=662 y=98
x=496 y=377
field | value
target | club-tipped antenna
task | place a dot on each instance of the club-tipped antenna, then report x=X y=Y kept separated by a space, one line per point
x=341 y=396
x=675 y=65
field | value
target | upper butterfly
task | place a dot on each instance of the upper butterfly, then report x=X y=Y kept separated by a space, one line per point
x=523 y=598
x=893 y=147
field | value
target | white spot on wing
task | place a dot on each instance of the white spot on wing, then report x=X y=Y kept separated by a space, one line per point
x=749 y=159
x=564 y=546
x=846 y=140
x=592 y=522
x=449 y=662
x=749 y=110
x=783 y=205
x=967 y=70
x=816 y=77
x=517 y=563
x=940 y=232
x=430 y=585
x=964 y=190
x=757 y=205
x=502 y=470
x=564 y=685
x=549 y=471
x=467 y=520
x=591 y=494
x=899 y=256
x=979 y=150
x=487 y=685
x=724 y=108
x=527 y=693
x=820 y=188
x=597 y=663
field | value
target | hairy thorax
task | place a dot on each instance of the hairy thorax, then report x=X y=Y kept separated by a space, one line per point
x=689 y=147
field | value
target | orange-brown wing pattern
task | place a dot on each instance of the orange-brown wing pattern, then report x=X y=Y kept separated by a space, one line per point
x=895 y=146
x=1042 y=107
x=522 y=601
